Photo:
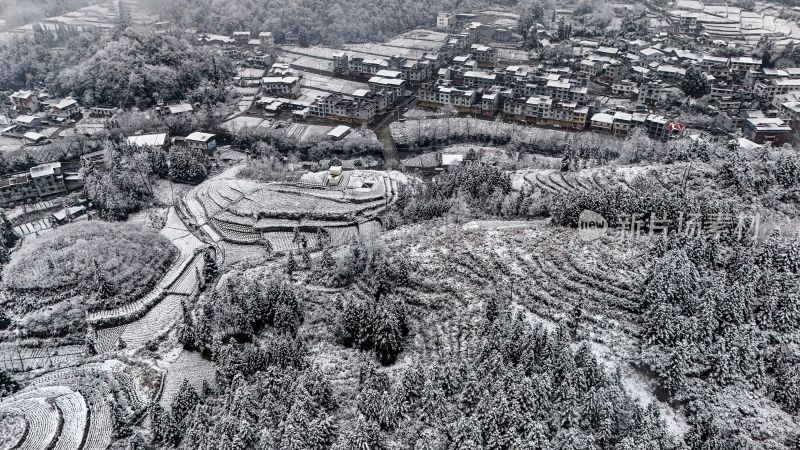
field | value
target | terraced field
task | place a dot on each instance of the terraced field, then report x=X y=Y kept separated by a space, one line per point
x=245 y=212
x=69 y=408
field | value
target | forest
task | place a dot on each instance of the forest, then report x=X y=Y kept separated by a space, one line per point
x=127 y=67
x=309 y=21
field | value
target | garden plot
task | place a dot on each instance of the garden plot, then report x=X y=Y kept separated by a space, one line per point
x=237 y=124
x=33 y=227
x=556 y=181
x=308 y=133
x=424 y=35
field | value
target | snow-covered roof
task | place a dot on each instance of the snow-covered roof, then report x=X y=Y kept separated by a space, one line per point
x=35 y=137
x=26 y=119
x=65 y=103
x=180 y=108
x=45 y=169
x=603 y=117
x=200 y=137
x=339 y=131
x=144 y=140
x=388 y=73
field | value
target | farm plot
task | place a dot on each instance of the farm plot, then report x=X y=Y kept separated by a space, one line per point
x=555 y=181
x=155 y=322
x=415 y=44
x=14 y=358
x=309 y=62
x=33 y=227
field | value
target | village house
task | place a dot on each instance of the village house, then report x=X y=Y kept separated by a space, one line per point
x=281 y=86
x=445 y=20
x=174 y=109
x=66 y=108
x=149 y=140
x=267 y=39
x=203 y=142
x=26 y=102
x=241 y=38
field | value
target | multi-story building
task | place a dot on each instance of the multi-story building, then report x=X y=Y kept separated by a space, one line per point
x=767 y=129
x=281 y=86
x=650 y=55
x=346 y=108
x=66 y=108
x=739 y=65
x=688 y=24
x=477 y=79
x=651 y=92
x=773 y=87
x=624 y=88
x=445 y=20
x=602 y=123
x=715 y=65
x=393 y=84
x=484 y=56
x=26 y=102
x=267 y=39
x=241 y=37
x=542 y=110
x=623 y=122
x=39 y=182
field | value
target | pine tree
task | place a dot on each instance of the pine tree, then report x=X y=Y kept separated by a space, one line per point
x=326 y=262
x=388 y=336
x=186 y=332
x=364 y=435
x=674 y=378
x=7 y=384
x=210 y=269
x=291 y=265
x=184 y=402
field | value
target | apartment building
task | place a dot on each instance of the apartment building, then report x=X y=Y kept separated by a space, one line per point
x=542 y=110
x=39 y=182
x=345 y=108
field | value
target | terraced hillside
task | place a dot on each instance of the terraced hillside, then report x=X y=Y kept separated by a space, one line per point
x=247 y=212
x=70 y=408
